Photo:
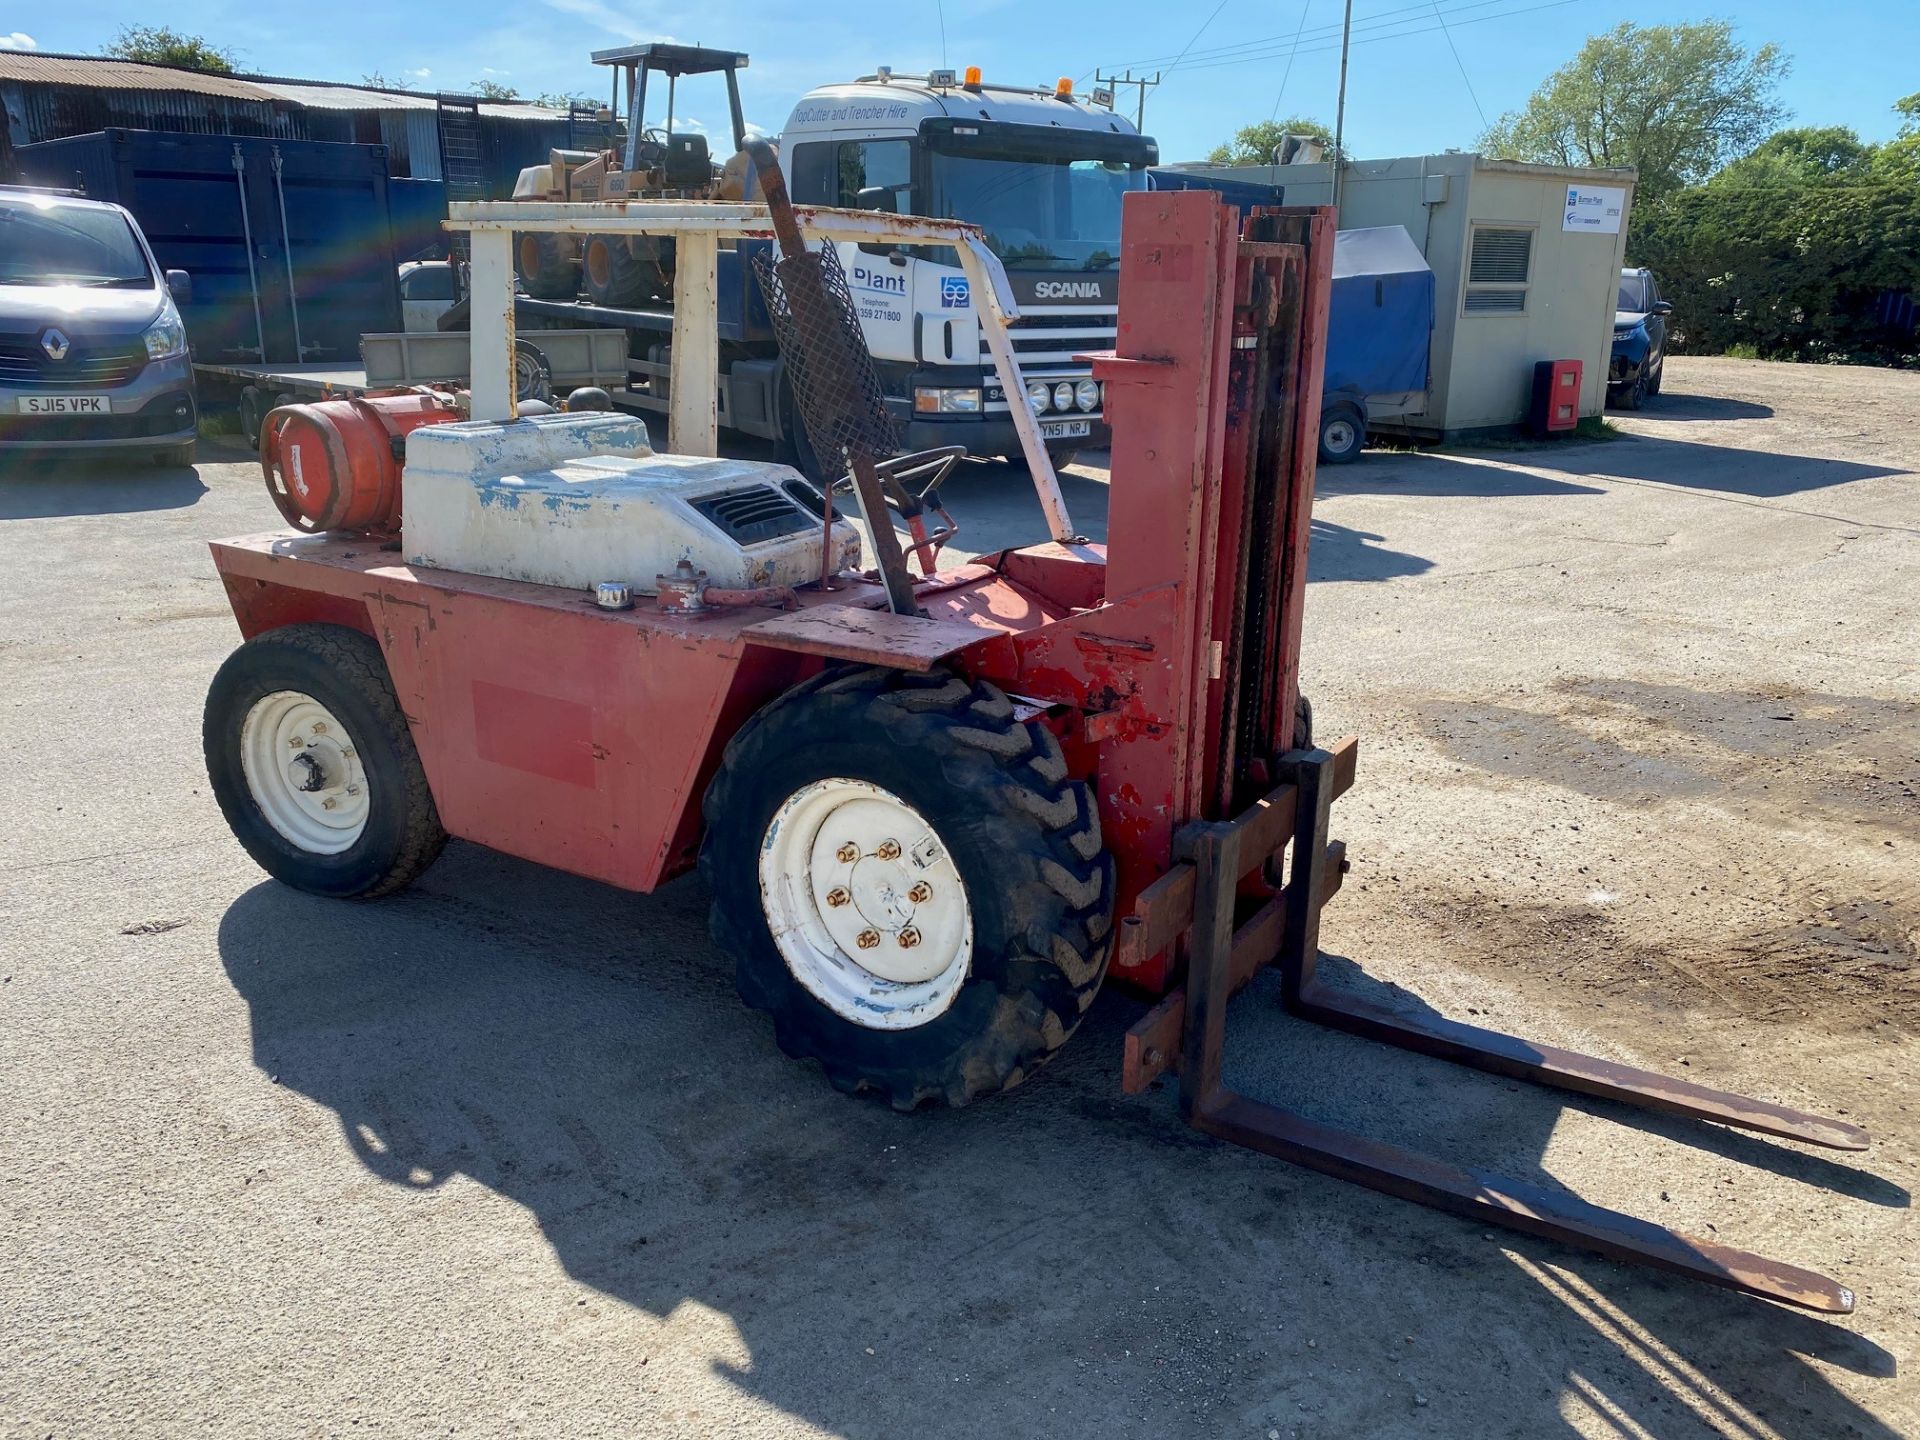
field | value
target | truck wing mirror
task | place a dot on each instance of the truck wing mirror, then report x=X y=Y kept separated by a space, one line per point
x=884 y=198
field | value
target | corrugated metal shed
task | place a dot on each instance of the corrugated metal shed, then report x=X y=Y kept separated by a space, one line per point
x=86 y=71
x=52 y=97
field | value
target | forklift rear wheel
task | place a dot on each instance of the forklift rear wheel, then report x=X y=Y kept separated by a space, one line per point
x=909 y=883
x=313 y=765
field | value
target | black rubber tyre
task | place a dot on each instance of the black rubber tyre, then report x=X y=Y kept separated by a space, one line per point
x=1633 y=394
x=1343 y=433
x=615 y=273
x=1024 y=836
x=253 y=408
x=532 y=372
x=345 y=672
x=1302 y=721
x=175 y=457
x=548 y=265
x=1655 y=376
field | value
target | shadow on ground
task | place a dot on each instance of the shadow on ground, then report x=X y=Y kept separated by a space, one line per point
x=32 y=489
x=1667 y=406
x=1061 y=1261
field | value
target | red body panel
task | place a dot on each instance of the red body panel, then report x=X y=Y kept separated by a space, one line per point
x=584 y=739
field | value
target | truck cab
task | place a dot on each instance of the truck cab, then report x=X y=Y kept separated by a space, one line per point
x=1042 y=172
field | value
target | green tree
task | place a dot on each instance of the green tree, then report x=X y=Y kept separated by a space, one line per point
x=1796 y=157
x=1899 y=158
x=1254 y=144
x=1675 y=102
x=158 y=45
x=492 y=90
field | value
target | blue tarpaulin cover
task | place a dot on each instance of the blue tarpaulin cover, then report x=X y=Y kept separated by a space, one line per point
x=1381 y=313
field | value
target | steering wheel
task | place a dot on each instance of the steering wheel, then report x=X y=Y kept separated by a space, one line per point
x=910 y=485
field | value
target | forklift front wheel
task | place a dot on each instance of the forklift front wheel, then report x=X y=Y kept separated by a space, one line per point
x=909 y=883
x=314 y=767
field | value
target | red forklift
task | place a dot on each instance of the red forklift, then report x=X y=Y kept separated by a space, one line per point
x=937 y=808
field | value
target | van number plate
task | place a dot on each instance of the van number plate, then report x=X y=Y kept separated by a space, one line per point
x=65 y=405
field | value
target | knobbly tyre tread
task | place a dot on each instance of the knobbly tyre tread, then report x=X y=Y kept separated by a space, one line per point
x=408 y=838
x=631 y=280
x=558 y=275
x=1043 y=970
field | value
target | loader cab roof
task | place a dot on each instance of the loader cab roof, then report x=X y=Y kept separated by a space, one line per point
x=673 y=60
x=898 y=104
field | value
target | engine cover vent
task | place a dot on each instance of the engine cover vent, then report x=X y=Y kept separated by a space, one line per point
x=754 y=513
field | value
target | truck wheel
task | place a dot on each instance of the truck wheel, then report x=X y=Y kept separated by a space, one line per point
x=614 y=275
x=314 y=767
x=1343 y=433
x=253 y=407
x=909 y=883
x=549 y=266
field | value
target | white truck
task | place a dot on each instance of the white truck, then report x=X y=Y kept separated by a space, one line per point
x=1041 y=171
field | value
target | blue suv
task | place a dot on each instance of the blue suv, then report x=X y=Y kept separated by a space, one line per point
x=1639 y=341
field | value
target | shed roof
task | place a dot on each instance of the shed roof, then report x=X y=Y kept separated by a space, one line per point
x=94 y=73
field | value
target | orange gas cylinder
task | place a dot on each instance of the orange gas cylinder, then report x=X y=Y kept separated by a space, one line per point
x=335 y=464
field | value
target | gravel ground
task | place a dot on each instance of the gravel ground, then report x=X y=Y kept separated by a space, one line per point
x=503 y=1155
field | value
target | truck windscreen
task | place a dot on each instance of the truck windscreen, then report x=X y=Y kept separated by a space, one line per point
x=1049 y=202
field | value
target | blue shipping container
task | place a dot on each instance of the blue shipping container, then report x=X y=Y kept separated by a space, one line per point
x=289 y=242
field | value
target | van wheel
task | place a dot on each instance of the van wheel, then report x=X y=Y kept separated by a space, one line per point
x=909 y=883
x=175 y=457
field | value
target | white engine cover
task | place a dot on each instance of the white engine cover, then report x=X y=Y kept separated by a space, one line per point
x=577 y=499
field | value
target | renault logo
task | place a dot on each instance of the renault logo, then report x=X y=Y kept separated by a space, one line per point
x=55 y=344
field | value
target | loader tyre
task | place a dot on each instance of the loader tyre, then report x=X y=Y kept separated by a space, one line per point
x=621 y=272
x=549 y=265
x=303 y=716
x=943 y=902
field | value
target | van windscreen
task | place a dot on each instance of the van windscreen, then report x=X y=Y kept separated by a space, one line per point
x=47 y=242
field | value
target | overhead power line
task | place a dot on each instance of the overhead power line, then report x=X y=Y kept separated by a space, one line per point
x=1375 y=20
x=1460 y=63
x=1286 y=51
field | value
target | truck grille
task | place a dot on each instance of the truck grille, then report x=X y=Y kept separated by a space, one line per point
x=87 y=365
x=1046 y=341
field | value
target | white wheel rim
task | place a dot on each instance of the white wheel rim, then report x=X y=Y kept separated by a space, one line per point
x=1339 y=435
x=304 y=772
x=865 y=904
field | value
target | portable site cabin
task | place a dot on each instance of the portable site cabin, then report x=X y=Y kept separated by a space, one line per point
x=1526 y=263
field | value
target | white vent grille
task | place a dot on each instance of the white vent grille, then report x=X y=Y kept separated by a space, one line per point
x=1501 y=256
x=1496 y=302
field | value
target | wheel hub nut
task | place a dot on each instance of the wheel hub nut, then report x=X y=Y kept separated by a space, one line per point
x=838 y=895
x=867 y=939
x=907 y=938
x=920 y=893
x=889 y=850
x=847 y=853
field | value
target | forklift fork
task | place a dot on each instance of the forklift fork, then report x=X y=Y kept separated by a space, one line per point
x=1205 y=897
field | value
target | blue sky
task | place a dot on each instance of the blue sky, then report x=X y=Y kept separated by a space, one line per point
x=1406 y=92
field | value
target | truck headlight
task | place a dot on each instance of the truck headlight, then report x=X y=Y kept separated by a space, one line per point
x=1087 y=395
x=940 y=400
x=1039 y=396
x=167 y=336
x=1063 y=396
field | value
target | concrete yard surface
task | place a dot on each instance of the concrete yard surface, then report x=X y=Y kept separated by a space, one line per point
x=504 y=1155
